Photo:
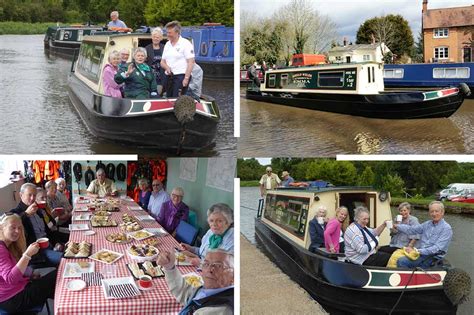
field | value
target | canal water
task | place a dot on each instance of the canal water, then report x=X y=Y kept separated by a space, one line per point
x=38 y=117
x=276 y=130
x=460 y=254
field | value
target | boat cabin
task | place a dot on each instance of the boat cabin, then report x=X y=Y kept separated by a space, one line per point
x=289 y=210
x=429 y=74
x=362 y=78
x=72 y=35
x=298 y=60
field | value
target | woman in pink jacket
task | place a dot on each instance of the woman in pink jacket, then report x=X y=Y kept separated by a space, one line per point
x=20 y=288
x=332 y=233
x=111 y=88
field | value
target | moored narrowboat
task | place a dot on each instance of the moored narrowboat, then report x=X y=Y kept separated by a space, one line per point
x=213 y=49
x=353 y=89
x=282 y=230
x=428 y=75
x=146 y=122
x=66 y=40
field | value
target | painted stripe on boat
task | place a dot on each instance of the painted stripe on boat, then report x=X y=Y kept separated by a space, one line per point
x=166 y=105
x=392 y=279
x=438 y=94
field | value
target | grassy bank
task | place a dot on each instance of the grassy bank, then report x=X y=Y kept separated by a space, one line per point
x=450 y=207
x=249 y=183
x=21 y=28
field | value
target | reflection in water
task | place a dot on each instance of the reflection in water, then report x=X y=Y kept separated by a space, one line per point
x=276 y=130
x=38 y=117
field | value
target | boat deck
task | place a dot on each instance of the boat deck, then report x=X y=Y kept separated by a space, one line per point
x=261 y=281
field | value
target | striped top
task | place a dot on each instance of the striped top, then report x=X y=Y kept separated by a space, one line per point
x=355 y=248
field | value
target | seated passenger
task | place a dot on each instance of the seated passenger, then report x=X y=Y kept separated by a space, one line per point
x=436 y=236
x=316 y=229
x=50 y=217
x=333 y=234
x=115 y=23
x=195 y=85
x=20 y=288
x=58 y=201
x=101 y=187
x=62 y=189
x=139 y=80
x=173 y=211
x=400 y=240
x=157 y=198
x=111 y=88
x=123 y=65
x=286 y=179
x=220 y=234
x=154 y=52
x=144 y=194
x=361 y=242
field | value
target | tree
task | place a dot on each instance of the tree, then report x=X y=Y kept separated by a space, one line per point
x=393 y=184
x=132 y=13
x=367 y=178
x=417 y=55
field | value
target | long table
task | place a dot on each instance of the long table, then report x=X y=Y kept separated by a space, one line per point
x=91 y=300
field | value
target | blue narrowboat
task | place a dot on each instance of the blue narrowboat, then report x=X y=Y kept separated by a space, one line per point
x=214 y=49
x=429 y=75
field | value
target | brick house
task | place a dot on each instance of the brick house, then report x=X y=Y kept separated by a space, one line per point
x=448 y=34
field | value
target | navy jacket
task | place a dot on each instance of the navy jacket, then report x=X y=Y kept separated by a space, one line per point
x=316 y=231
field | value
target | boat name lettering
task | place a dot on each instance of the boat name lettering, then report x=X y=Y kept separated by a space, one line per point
x=302 y=78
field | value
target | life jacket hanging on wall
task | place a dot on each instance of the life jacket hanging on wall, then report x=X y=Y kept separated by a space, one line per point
x=110 y=171
x=121 y=172
x=88 y=176
x=158 y=169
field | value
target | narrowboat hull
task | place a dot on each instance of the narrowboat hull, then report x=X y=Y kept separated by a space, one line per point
x=312 y=270
x=217 y=70
x=402 y=105
x=63 y=49
x=143 y=122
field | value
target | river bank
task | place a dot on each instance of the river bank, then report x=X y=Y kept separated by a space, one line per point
x=449 y=207
x=22 y=28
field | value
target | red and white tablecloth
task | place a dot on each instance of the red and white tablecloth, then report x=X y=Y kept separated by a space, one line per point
x=91 y=300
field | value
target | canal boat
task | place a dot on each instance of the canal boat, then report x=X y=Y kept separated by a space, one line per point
x=353 y=89
x=282 y=231
x=145 y=122
x=66 y=40
x=428 y=75
x=213 y=48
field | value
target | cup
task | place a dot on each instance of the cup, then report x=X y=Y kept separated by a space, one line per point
x=59 y=210
x=389 y=224
x=320 y=220
x=43 y=242
x=81 y=197
x=41 y=204
x=399 y=218
x=92 y=208
x=145 y=281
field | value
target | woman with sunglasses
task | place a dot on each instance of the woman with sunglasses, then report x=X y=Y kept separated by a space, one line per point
x=20 y=288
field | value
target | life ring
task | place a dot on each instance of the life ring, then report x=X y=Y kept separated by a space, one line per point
x=203 y=49
x=225 y=50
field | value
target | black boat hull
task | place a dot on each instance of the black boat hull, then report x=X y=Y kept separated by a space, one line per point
x=305 y=268
x=107 y=117
x=217 y=70
x=66 y=50
x=387 y=105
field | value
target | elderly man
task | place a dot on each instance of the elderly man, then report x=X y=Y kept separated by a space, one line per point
x=268 y=181
x=101 y=186
x=34 y=222
x=287 y=179
x=173 y=211
x=115 y=21
x=195 y=86
x=157 y=198
x=436 y=236
x=178 y=59
x=216 y=296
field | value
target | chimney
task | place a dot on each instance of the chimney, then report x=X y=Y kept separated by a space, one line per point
x=344 y=42
x=425 y=6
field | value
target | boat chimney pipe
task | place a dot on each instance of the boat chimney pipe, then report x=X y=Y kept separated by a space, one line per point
x=344 y=41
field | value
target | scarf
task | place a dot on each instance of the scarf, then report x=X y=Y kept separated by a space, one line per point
x=143 y=67
x=366 y=241
x=216 y=240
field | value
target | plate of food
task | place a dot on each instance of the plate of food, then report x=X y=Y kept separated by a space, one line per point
x=141 y=235
x=153 y=241
x=120 y=238
x=81 y=209
x=78 y=227
x=106 y=256
x=82 y=217
x=193 y=279
x=142 y=252
x=145 y=217
x=128 y=218
x=76 y=269
x=150 y=268
x=182 y=259
x=135 y=208
x=101 y=222
x=130 y=226
x=102 y=213
x=77 y=250
x=157 y=231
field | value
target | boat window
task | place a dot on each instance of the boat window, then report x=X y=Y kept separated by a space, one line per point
x=331 y=79
x=271 y=80
x=284 y=80
x=90 y=59
x=393 y=73
x=451 y=73
x=366 y=57
x=373 y=74
x=368 y=73
x=288 y=212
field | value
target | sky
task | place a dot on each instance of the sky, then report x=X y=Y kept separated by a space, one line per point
x=349 y=15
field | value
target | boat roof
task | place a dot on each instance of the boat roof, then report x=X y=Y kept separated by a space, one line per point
x=325 y=189
x=323 y=66
x=104 y=36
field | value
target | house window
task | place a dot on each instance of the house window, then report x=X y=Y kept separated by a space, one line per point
x=366 y=57
x=440 y=32
x=467 y=54
x=393 y=73
x=441 y=53
x=451 y=73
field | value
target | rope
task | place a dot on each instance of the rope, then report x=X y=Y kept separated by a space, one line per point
x=401 y=294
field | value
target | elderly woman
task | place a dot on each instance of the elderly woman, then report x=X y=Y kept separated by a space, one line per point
x=154 y=52
x=173 y=211
x=400 y=240
x=112 y=88
x=20 y=288
x=220 y=234
x=62 y=188
x=139 y=80
x=144 y=194
x=316 y=229
x=333 y=234
x=361 y=241
x=57 y=201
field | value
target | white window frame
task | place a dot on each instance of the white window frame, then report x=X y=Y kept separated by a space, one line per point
x=442 y=32
x=394 y=73
x=445 y=52
x=366 y=57
x=445 y=73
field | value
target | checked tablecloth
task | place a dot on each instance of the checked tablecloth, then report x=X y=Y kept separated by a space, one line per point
x=91 y=300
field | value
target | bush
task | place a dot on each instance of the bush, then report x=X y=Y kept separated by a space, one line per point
x=24 y=28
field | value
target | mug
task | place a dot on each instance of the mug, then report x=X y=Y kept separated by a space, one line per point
x=389 y=224
x=59 y=210
x=320 y=220
x=145 y=281
x=399 y=218
x=43 y=242
x=41 y=204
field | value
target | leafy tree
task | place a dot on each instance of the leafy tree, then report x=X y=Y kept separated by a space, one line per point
x=394 y=184
x=417 y=54
x=132 y=12
x=263 y=43
x=367 y=177
x=249 y=169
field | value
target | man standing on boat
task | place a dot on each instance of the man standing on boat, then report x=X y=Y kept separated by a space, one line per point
x=115 y=21
x=177 y=60
x=268 y=181
x=436 y=236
